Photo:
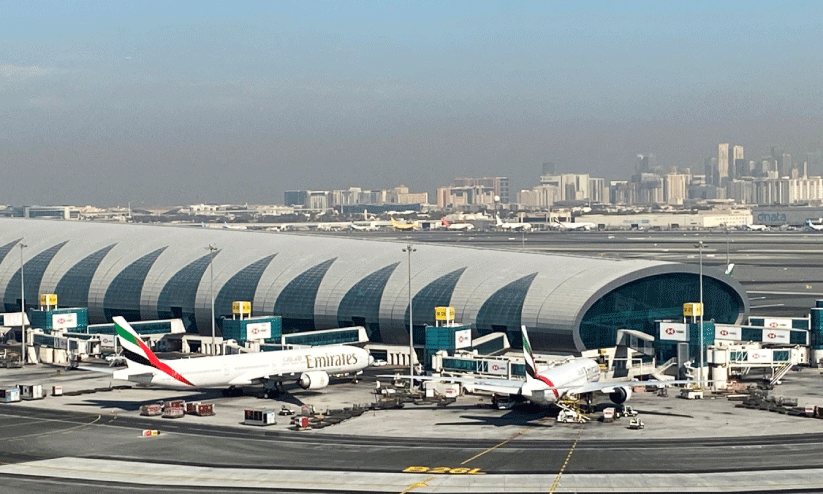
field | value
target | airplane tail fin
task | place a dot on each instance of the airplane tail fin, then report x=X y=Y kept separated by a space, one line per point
x=531 y=367
x=730 y=269
x=136 y=352
x=497 y=220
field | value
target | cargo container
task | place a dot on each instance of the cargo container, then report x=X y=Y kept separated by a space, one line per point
x=608 y=415
x=260 y=416
x=31 y=391
x=151 y=410
x=9 y=395
x=173 y=412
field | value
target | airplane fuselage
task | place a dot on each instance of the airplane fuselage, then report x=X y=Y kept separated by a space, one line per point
x=554 y=383
x=249 y=368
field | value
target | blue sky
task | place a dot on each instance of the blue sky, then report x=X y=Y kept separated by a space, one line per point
x=177 y=102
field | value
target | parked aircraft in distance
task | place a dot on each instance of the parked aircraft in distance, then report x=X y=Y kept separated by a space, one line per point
x=815 y=226
x=226 y=226
x=756 y=228
x=310 y=367
x=511 y=227
x=462 y=227
x=571 y=379
x=371 y=227
x=403 y=227
x=335 y=226
x=563 y=225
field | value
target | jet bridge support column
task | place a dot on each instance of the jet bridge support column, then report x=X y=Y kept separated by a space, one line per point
x=816 y=334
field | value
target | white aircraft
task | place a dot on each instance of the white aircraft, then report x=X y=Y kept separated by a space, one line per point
x=563 y=225
x=371 y=227
x=334 y=226
x=816 y=226
x=461 y=227
x=511 y=227
x=309 y=366
x=226 y=226
x=756 y=228
x=571 y=379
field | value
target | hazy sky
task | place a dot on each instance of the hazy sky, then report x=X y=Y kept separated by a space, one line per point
x=178 y=102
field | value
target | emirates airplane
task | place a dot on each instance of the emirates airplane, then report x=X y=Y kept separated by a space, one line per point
x=310 y=367
x=571 y=379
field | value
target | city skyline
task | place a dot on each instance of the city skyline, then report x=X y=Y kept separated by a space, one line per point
x=176 y=103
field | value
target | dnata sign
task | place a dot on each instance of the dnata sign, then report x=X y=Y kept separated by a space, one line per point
x=765 y=217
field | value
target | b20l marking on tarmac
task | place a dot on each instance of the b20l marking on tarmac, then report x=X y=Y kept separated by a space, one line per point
x=454 y=471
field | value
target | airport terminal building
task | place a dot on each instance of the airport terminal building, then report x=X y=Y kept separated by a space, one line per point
x=569 y=303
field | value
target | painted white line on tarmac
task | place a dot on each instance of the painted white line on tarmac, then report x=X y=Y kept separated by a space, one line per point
x=140 y=473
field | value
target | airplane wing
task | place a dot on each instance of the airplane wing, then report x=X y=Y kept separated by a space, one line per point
x=255 y=376
x=103 y=370
x=608 y=386
x=501 y=386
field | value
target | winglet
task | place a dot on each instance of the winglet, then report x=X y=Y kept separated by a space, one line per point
x=531 y=368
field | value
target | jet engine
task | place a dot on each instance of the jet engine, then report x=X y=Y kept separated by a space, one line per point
x=313 y=380
x=620 y=395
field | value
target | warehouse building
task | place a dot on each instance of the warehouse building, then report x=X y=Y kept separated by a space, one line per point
x=569 y=303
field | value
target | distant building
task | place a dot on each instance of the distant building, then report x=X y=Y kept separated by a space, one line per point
x=598 y=190
x=540 y=197
x=674 y=188
x=295 y=198
x=401 y=195
x=723 y=159
x=742 y=191
x=62 y=212
x=498 y=185
x=455 y=197
x=572 y=186
x=740 y=167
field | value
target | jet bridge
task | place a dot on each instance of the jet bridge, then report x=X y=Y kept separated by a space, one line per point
x=740 y=360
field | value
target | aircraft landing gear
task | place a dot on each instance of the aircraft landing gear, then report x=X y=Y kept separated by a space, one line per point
x=272 y=389
x=233 y=391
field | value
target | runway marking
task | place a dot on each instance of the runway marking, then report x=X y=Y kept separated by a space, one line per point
x=497 y=446
x=18 y=424
x=441 y=470
x=62 y=431
x=556 y=483
x=417 y=485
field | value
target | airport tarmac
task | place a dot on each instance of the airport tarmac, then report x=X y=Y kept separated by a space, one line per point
x=95 y=441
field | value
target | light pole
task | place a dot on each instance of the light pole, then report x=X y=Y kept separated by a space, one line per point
x=409 y=249
x=22 y=307
x=700 y=246
x=212 y=249
x=727 y=246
